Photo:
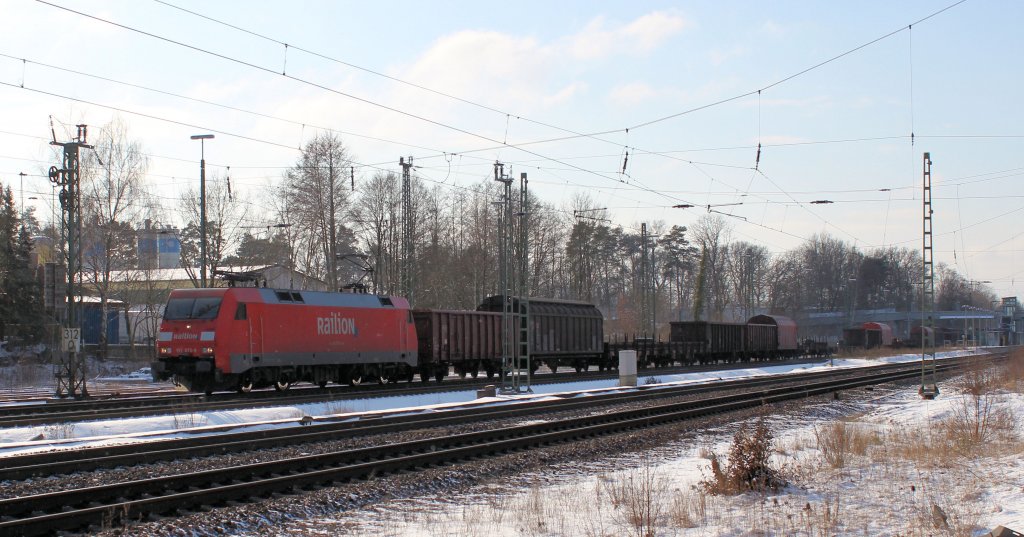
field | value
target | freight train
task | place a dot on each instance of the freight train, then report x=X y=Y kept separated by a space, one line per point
x=240 y=338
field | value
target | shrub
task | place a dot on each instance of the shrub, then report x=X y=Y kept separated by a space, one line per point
x=748 y=467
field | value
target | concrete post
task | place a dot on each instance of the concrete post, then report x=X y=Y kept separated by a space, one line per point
x=627 y=368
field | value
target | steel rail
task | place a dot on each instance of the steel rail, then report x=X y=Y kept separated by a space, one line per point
x=85 y=459
x=59 y=411
x=113 y=504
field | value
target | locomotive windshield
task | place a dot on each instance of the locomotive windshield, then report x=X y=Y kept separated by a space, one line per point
x=179 y=309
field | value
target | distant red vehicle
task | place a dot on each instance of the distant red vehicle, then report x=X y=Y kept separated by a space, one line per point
x=241 y=338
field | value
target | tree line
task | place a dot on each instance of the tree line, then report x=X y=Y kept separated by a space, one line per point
x=315 y=223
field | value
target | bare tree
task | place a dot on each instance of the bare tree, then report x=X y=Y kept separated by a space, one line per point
x=375 y=214
x=113 y=200
x=710 y=234
x=317 y=192
x=225 y=215
x=747 y=265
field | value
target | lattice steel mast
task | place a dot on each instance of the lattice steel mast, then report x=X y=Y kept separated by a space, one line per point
x=408 y=246
x=70 y=374
x=927 y=390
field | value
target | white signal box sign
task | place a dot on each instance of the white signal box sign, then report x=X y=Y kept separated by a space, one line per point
x=72 y=339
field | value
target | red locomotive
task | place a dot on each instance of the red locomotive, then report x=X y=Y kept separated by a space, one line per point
x=240 y=338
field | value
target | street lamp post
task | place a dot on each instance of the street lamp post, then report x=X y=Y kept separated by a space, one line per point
x=202 y=204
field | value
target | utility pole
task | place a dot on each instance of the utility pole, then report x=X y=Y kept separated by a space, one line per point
x=332 y=253
x=408 y=249
x=524 y=369
x=508 y=362
x=71 y=370
x=202 y=204
x=927 y=390
x=22 y=175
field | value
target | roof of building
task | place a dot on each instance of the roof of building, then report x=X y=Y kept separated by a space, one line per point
x=182 y=274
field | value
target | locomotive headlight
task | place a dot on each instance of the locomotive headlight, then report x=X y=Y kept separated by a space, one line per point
x=207 y=350
x=165 y=350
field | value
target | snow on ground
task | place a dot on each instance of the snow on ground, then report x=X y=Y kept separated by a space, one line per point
x=908 y=482
x=185 y=422
x=139 y=375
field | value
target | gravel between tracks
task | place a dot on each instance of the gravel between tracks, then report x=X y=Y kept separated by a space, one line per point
x=275 y=514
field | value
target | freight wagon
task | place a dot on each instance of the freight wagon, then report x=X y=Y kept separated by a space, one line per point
x=466 y=341
x=562 y=332
x=868 y=336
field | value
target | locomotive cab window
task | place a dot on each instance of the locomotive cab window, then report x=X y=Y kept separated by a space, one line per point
x=288 y=296
x=181 y=308
x=240 y=312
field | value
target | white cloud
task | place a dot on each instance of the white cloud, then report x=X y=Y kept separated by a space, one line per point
x=566 y=93
x=642 y=35
x=719 y=56
x=772 y=28
x=632 y=93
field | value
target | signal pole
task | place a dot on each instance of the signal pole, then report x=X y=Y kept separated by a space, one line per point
x=71 y=370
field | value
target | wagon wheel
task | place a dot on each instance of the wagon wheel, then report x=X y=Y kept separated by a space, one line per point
x=245 y=385
x=282 y=385
x=322 y=384
x=461 y=372
x=474 y=372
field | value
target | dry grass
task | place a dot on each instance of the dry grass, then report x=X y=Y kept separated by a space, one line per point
x=638 y=498
x=1011 y=375
x=688 y=508
x=186 y=417
x=838 y=440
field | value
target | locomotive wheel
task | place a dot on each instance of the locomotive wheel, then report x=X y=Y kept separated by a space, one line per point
x=245 y=385
x=355 y=379
x=322 y=384
x=282 y=385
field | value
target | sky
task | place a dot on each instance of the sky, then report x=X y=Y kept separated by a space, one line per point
x=561 y=91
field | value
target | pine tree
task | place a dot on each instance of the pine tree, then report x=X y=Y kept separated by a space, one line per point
x=20 y=302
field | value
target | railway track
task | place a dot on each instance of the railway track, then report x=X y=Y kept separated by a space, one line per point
x=327 y=429
x=116 y=503
x=58 y=411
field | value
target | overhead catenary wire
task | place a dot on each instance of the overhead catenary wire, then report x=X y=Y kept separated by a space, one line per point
x=518 y=146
